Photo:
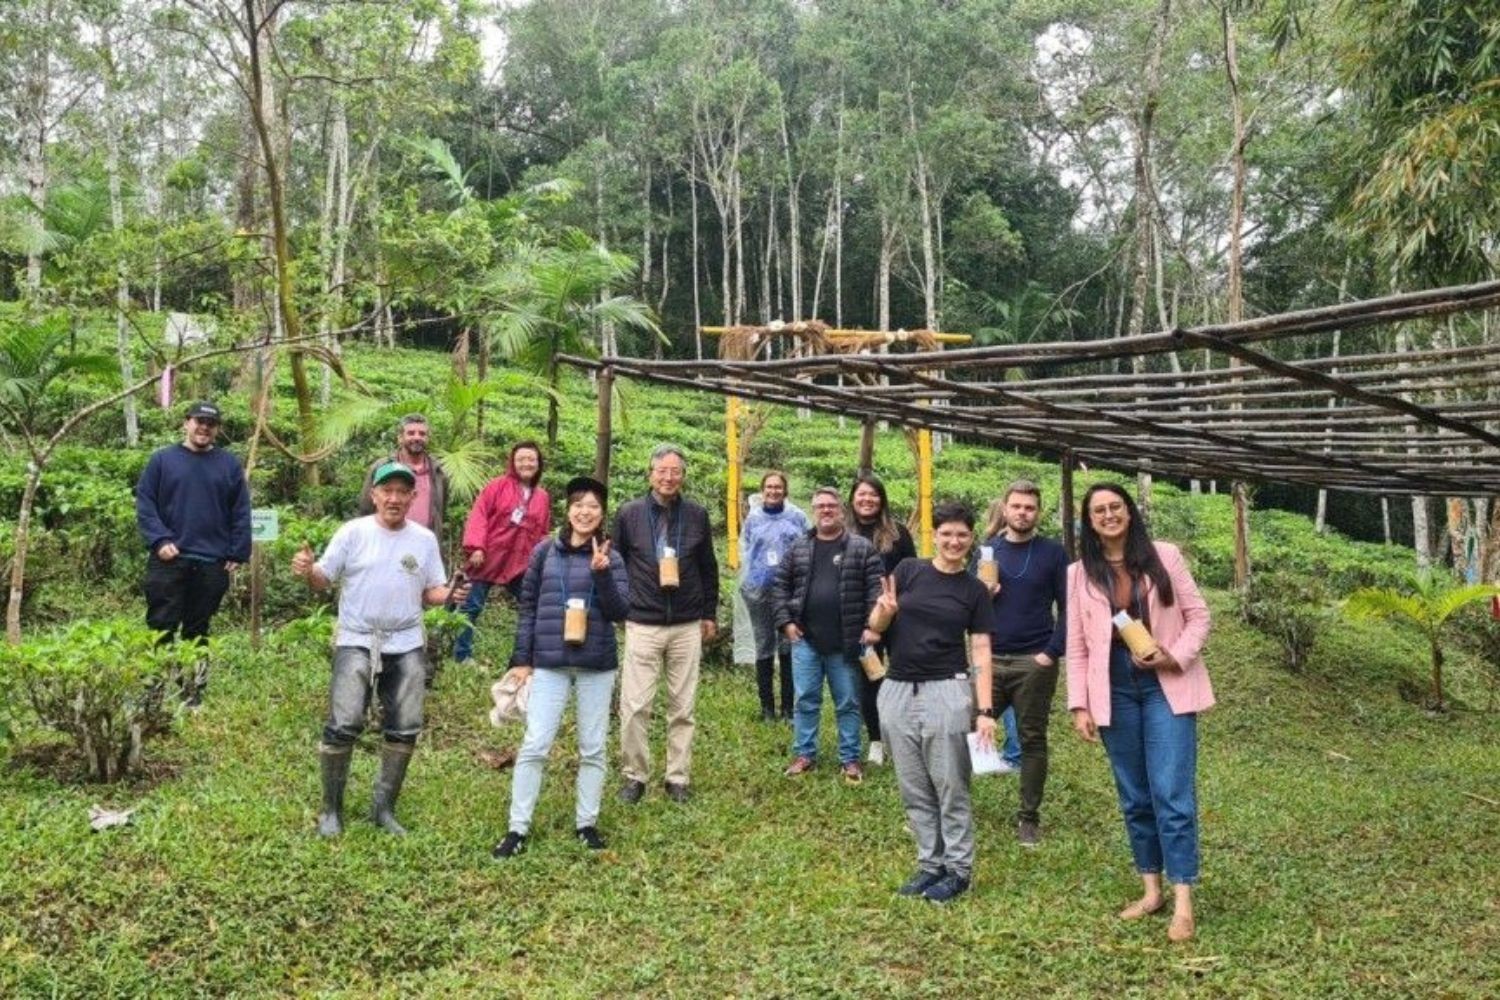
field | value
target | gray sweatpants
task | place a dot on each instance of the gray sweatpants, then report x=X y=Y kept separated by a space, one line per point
x=925 y=725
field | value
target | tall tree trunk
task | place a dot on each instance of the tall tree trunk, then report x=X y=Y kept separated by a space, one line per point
x=883 y=271
x=838 y=221
x=275 y=141
x=1235 y=290
x=739 y=247
x=1144 y=213
x=114 y=126
x=666 y=267
x=697 y=283
x=1320 y=521
x=794 y=220
x=38 y=112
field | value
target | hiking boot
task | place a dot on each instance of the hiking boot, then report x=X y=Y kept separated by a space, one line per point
x=946 y=888
x=631 y=791
x=677 y=791
x=1029 y=833
x=920 y=882
x=853 y=773
x=513 y=844
x=798 y=766
x=590 y=838
x=876 y=756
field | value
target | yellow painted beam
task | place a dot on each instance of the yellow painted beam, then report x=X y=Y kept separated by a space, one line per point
x=732 y=484
x=924 y=492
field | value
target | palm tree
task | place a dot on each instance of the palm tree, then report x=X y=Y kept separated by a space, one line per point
x=1431 y=602
x=551 y=300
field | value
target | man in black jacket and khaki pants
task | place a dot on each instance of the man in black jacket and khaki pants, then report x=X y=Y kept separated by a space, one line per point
x=668 y=550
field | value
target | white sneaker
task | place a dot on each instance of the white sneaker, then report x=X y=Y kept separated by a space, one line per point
x=876 y=756
x=1006 y=767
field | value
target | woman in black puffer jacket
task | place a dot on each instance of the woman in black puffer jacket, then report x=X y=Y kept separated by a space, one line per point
x=576 y=570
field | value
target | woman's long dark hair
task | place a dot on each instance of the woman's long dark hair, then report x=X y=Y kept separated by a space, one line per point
x=1141 y=559
x=886 y=534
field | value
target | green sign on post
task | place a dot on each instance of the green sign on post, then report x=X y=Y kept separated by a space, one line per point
x=265 y=524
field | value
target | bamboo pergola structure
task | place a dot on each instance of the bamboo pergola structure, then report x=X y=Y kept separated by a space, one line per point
x=804 y=338
x=1420 y=422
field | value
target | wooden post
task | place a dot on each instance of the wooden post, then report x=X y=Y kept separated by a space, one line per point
x=867 y=448
x=257 y=588
x=1066 y=511
x=732 y=481
x=1241 y=534
x=604 y=386
x=924 y=492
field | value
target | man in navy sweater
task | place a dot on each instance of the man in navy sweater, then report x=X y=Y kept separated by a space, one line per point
x=1028 y=639
x=192 y=507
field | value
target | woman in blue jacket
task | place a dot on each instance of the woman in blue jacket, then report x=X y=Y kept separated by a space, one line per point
x=577 y=572
x=768 y=534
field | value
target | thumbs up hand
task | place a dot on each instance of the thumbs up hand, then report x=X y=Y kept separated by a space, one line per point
x=302 y=562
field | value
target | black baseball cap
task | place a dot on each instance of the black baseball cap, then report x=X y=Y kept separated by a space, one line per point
x=588 y=484
x=204 y=410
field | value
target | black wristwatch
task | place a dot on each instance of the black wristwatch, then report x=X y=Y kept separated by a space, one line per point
x=988 y=713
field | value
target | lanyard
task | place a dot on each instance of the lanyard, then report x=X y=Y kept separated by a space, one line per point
x=673 y=518
x=563 y=581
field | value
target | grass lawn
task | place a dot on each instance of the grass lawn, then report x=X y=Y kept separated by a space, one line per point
x=1345 y=853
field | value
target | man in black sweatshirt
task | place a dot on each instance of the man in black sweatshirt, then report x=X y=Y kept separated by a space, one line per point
x=192 y=506
x=668 y=548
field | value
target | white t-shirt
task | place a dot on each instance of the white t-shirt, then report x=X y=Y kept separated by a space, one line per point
x=381 y=576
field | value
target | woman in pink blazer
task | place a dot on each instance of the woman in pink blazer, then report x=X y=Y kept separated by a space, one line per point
x=1144 y=709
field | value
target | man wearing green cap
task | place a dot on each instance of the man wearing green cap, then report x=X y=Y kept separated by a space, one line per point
x=387 y=568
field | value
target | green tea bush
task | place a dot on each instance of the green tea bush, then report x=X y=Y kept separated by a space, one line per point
x=104 y=683
x=1291 y=609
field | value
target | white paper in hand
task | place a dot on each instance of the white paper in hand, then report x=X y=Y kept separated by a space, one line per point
x=986 y=760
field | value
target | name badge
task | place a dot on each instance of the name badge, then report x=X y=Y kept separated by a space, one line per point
x=772 y=559
x=517 y=515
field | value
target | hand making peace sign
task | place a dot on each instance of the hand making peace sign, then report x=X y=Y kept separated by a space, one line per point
x=600 y=562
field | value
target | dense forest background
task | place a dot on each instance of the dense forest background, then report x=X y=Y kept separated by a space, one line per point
x=507 y=180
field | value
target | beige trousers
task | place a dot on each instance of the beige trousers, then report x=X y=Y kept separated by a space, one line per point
x=650 y=651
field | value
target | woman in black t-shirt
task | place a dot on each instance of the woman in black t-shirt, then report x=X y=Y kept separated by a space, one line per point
x=928 y=700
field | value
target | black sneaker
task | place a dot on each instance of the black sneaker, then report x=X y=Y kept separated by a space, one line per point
x=946 y=888
x=1029 y=832
x=631 y=791
x=513 y=844
x=590 y=837
x=920 y=882
x=678 y=793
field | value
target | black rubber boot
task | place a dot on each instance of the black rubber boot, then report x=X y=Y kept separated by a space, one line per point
x=334 y=763
x=394 y=758
x=763 y=686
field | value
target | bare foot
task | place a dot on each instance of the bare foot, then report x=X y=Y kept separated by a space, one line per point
x=1143 y=907
x=1182 y=927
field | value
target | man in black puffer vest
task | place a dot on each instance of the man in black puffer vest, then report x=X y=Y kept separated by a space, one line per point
x=823 y=596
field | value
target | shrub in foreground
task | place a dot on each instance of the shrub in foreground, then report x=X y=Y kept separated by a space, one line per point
x=107 y=684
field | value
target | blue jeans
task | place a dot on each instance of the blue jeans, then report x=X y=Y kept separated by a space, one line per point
x=544 y=712
x=1011 y=751
x=1154 y=754
x=809 y=668
x=479 y=592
